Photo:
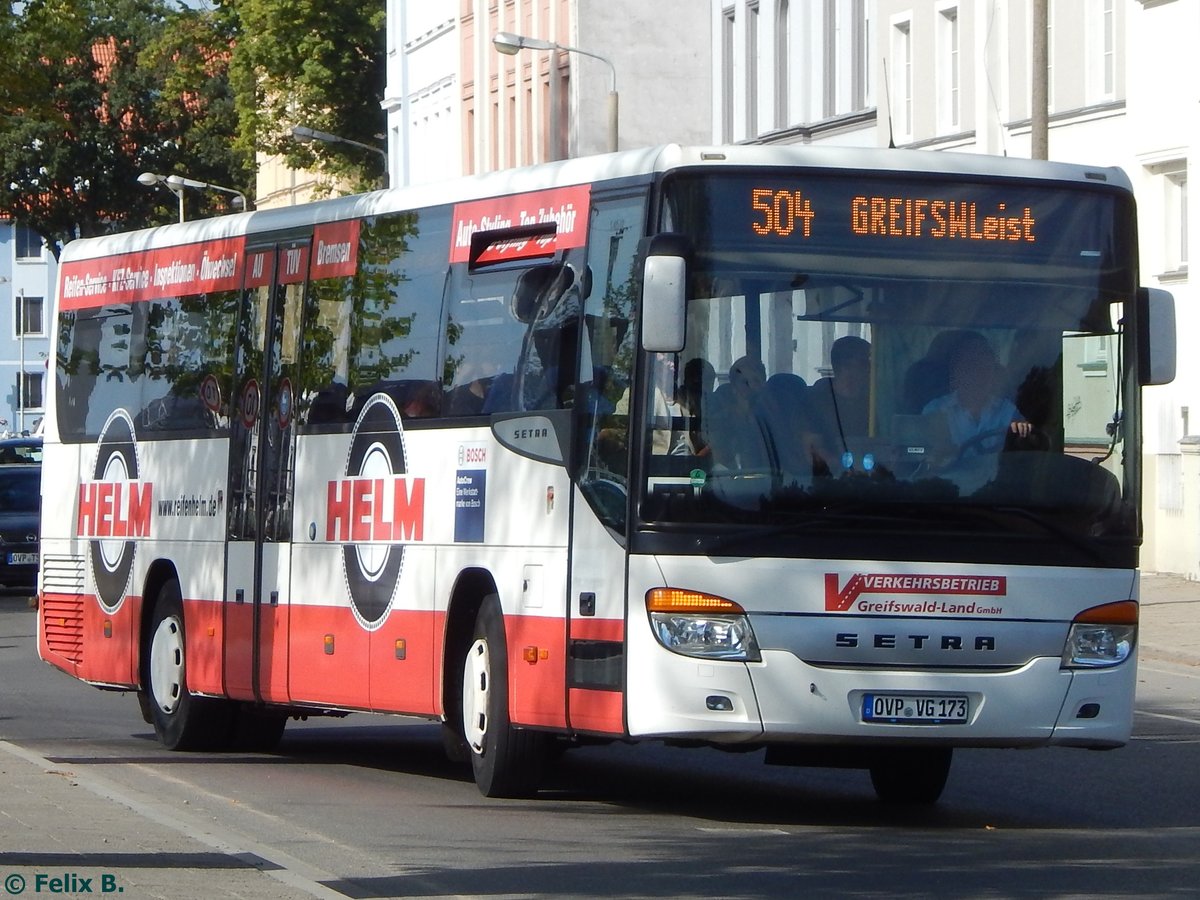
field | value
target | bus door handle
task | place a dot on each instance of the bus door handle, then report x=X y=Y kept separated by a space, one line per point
x=239 y=596
x=274 y=598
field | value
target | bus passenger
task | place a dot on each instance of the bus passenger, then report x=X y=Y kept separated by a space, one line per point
x=695 y=396
x=840 y=405
x=736 y=439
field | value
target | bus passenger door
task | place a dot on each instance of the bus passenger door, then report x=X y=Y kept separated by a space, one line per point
x=261 y=466
x=596 y=673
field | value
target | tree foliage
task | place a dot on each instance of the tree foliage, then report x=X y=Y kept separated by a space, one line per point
x=317 y=63
x=95 y=92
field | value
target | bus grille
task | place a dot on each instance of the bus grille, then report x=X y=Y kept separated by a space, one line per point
x=63 y=584
x=62 y=624
x=63 y=574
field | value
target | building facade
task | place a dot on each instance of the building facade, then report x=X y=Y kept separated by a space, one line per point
x=457 y=106
x=27 y=280
x=956 y=75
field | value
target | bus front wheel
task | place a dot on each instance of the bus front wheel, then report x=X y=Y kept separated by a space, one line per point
x=911 y=775
x=507 y=761
x=181 y=721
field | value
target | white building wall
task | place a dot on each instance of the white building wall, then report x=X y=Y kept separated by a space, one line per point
x=421 y=98
x=660 y=52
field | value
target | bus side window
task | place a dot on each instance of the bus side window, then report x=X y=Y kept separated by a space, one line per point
x=378 y=331
x=505 y=338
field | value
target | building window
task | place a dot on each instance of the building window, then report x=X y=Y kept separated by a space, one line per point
x=1102 y=51
x=727 y=23
x=948 y=70
x=29 y=317
x=1175 y=184
x=829 y=50
x=860 y=54
x=33 y=384
x=29 y=244
x=1049 y=56
x=752 y=24
x=783 y=39
x=902 y=78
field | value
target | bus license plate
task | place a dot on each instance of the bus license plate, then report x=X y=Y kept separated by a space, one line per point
x=915 y=709
x=22 y=559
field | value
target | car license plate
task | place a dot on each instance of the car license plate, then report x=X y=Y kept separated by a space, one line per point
x=22 y=559
x=915 y=709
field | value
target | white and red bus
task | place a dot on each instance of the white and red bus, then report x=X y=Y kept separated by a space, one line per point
x=829 y=452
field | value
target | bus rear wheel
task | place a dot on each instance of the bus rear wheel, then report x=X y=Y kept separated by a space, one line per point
x=181 y=721
x=507 y=761
x=911 y=775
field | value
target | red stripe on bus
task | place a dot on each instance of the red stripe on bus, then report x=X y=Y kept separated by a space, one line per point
x=537 y=671
x=597 y=630
x=597 y=711
x=151 y=274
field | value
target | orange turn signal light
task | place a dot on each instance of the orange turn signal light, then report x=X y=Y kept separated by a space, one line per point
x=1123 y=612
x=677 y=600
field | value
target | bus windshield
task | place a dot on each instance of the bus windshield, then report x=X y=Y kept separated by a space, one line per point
x=896 y=345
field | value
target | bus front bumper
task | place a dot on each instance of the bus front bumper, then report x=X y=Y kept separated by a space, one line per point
x=783 y=699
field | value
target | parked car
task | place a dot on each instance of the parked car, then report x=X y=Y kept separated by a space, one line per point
x=20 y=506
x=20 y=450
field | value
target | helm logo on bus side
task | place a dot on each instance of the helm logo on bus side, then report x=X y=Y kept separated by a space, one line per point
x=114 y=510
x=374 y=511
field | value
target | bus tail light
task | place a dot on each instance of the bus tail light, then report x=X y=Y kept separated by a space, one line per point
x=1102 y=636
x=701 y=625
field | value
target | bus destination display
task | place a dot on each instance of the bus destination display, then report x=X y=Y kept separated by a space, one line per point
x=783 y=212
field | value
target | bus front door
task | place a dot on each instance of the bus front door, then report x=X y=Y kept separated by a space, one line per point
x=261 y=466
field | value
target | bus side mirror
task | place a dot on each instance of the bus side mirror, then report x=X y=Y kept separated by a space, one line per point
x=664 y=291
x=1157 y=350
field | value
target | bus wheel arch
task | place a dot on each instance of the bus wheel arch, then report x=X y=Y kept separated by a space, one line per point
x=470 y=589
x=181 y=721
x=507 y=760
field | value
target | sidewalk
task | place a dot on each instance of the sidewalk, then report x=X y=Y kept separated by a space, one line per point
x=66 y=831
x=1170 y=619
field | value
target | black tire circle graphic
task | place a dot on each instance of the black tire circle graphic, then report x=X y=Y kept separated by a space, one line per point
x=116 y=456
x=373 y=570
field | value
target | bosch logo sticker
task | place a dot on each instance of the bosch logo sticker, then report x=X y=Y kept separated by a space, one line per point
x=114 y=510
x=932 y=587
x=374 y=511
x=470 y=493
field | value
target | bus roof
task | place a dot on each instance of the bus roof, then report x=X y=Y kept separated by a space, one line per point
x=581 y=170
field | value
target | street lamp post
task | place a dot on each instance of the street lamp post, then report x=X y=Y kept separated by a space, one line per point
x=176 y=183
x=304 y=135
x=511 y=44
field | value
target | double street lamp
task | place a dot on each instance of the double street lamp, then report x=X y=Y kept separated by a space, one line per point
x=511 y=44
x=176 y=183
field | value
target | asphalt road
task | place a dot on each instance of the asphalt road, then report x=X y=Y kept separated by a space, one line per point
x=369 y=807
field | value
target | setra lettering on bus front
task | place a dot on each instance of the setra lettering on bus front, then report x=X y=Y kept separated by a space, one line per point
x=111 y=509
x=375 y=510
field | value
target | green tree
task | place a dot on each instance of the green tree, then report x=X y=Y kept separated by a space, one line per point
x=95 y=92
x=317 y=63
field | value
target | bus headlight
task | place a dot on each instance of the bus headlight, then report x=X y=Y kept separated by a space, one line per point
x=701 y=625
x=1102 y=636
